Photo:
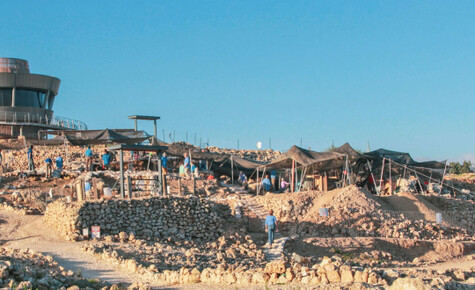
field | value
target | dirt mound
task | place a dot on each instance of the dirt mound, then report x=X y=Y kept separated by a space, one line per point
x=353 y=212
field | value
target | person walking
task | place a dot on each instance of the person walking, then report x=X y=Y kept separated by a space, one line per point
x=89 y=155
x=31 y=163
x=187 y=165
x=271 y=227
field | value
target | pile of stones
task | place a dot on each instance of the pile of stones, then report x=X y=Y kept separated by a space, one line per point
x=175 y=217
x=255 y=155
x=27 y=269
x=355 y=213
x=182 y=262
x=462 y=211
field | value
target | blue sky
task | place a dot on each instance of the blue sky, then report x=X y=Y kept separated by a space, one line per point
x=394 y=74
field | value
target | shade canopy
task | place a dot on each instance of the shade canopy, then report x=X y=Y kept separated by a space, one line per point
x=303 y=157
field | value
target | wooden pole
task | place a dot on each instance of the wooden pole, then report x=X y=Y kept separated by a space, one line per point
x=293 y=176
x=121 y=156
x=443 y=176
x=382 y=172
x=232 y=170
x=390 y=179
x=257 y=181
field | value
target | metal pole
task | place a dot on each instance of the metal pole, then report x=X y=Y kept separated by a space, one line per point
x=135 y=124
x=121 y=156
x=155 y=127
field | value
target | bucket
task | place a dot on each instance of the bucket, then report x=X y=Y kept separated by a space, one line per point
x=324 y=212
x=107 y=192
x=438 y=218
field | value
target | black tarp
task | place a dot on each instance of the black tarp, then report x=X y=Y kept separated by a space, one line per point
x=347 y=150
x=106 y=136
x=403 y=158
x=304 y=157
x=399 y=157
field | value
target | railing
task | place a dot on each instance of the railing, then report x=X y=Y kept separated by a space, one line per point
x=36 y=118
x=68 y=123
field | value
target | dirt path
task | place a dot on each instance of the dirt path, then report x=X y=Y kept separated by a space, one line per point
x=21 y=232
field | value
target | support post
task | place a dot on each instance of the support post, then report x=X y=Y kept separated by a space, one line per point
x=390 y=179
x=232 y=170
x=443 y=176
x=257 y=181
x=155 y=128
x=135 y=124
x=121 y=156
x=382 y=172
x=129 y=186
x=161 y=190
x=293 y=176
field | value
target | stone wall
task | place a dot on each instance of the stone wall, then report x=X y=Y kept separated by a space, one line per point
x=169 y=217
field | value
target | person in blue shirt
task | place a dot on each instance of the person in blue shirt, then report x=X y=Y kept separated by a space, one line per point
x=164 y=160
x=242 y=178
x=266 y=183
x=59 y=163
x=89 y=155
x=271 y=227
x=49 y=167
x=31 y=163
x=187 y=165
x=106 y=159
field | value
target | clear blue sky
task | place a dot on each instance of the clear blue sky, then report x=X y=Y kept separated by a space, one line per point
x=397 y=74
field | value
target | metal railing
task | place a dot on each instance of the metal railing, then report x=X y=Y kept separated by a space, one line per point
x=42 y=119
x=68 y=123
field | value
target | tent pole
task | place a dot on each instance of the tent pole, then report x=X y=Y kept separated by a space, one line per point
x=443 y=176
x=293 y=176
x=257 y=181
x=232 y=170
x=382 y=172
x=390 y=179
x=372 y=176
x=121 y=156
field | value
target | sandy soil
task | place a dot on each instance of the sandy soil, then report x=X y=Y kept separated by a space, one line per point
x=21 y=232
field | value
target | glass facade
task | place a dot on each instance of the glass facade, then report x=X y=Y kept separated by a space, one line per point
x=50 y=101
x=30 y=98
x=5 y=97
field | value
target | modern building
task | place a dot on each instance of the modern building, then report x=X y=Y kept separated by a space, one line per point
x=26 y=101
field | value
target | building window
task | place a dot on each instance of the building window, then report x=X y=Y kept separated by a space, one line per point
x=30 y=98
x=50 y=101
x=6 y=97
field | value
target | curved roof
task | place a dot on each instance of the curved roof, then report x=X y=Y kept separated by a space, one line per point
x=30 y=81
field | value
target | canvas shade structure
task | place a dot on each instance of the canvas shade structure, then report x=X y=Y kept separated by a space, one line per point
x=106 y=136
x=347 y=150
x=403 y=158
x=304 y=157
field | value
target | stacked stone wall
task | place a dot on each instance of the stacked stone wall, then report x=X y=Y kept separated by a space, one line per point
x=168 y=217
